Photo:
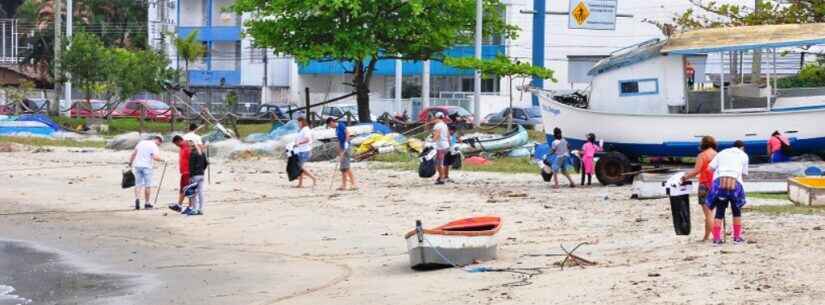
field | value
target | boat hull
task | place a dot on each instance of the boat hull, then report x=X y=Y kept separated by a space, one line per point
x=511 y=141
x=678 y=135
x=438 y=251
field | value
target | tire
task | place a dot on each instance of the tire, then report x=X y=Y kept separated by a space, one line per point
x=611 y=167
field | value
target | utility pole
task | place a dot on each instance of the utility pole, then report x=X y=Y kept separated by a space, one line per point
x=69 y=13
x=477 y=79
x=265 y=85
x=58 y=47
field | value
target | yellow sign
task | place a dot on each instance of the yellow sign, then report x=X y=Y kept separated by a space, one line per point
x=580 y=13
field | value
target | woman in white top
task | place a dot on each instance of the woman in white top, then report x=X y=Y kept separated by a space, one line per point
x=303 y=147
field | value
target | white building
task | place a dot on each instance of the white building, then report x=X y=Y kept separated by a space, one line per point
x=232 y=62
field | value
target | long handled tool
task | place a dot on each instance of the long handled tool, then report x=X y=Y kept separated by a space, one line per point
x=162 y=175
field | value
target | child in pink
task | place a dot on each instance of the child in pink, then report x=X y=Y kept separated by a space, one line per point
x=589 y=150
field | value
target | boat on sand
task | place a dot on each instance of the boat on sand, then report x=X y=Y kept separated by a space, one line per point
x=457 y=243
x=511 y=140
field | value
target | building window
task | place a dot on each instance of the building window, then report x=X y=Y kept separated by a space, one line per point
x=225 y=55
x=487 y=85
x=639 y=87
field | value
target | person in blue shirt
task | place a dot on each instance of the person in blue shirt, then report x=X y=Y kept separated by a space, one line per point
x=344 y=153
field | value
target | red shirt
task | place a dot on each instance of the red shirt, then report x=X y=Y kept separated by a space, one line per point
x=702 y=166
x=774 y=143
x=184 y=160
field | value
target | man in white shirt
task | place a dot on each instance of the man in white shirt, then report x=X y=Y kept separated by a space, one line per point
x=142 y=159
x=441 y=137
x=303 y=148
x=729 y=166
x=193 y=137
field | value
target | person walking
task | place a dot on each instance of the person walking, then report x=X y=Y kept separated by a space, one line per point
x=303 y=147
x=703 y=171
x=183 y=166
x=142 y=161
x=589 y=150
x=197 y=167
x=729 y=166
x=344 y=153
x=777 y=145
x=441 y=137
x=561 y=150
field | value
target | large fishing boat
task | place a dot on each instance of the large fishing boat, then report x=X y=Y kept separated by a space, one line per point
x=641 y=100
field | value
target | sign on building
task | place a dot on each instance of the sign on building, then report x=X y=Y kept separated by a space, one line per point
x=592 y=14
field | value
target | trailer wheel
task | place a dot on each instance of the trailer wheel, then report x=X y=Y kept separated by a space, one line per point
x=611 y=167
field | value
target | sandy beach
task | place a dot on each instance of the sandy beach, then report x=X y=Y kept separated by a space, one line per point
x=263 y=242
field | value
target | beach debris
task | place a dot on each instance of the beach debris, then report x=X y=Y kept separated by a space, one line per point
x=127 y=141
x=41 y=150
x=477 y=161
x=9 y=147
x=654 y=274
x=817 y=228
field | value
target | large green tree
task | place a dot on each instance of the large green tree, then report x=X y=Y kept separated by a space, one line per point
x=502 y=66
x=362 y=32
x=87 y=63
x=707 y=14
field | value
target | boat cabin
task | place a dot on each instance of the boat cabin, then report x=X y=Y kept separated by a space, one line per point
x=656 y=77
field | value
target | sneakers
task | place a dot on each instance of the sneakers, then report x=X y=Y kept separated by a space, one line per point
x=187 y=211
x=175 y=207
x=137 y=204
x=439 y=182
x=718 y=242
x=191 y=212
x=739 y=241
x=148 y=206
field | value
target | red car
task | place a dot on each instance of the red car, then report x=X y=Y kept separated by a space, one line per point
x=92 y=108
x=452 y=115
x=155 y=110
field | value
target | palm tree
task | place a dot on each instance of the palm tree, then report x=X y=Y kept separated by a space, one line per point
x=189 y=49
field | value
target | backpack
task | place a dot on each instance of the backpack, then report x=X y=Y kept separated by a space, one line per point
x=786 y=149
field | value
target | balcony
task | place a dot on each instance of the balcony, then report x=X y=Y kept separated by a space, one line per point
x=213 y=33
x=213 y=78
x=387 y=67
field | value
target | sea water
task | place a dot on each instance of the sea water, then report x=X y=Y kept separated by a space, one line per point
x=7 y=296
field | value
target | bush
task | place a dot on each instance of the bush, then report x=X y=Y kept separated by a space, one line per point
x=812 y=75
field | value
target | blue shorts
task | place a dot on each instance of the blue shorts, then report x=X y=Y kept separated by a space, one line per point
x=143 y=176
x=779 y=156
x=303 y=157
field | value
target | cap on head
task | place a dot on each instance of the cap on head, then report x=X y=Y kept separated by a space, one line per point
x=439 y=115
x=330 y=120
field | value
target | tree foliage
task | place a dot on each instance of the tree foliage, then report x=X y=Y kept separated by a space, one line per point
x=362 y=32
x=88 y=63
x=708 y=14
x=189 y=49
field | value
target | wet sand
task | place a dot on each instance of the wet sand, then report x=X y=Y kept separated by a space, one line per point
x=263 y=242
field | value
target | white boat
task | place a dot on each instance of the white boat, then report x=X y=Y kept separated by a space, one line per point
x=458 y=243
x=639 y=102
x=511 y=140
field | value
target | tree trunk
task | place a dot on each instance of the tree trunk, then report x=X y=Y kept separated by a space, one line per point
x=510 y=115
x=361 y=81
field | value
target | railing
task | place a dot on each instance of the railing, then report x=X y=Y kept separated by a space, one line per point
x=9 y=41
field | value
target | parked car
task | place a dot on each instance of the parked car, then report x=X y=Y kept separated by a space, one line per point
x=525 y=116
x=339 y=112
x=155 y=110
x=92 y=108
x=453 y=115
x=281 y=112
x=35 y=105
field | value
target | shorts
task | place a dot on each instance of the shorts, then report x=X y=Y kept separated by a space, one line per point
x=561 y=164
x=722 y=204
x=344 y=164
x=702 y=193
x=440 y=157
x=184 y=181
x=303 y=157
x=143 y=176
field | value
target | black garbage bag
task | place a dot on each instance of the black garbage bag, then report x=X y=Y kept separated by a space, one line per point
x=426 y=168
x=547 y=177
x=453 y=159
x=128 y=179
x=292 y=168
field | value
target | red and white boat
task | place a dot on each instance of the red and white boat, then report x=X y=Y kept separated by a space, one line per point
x=457 y=243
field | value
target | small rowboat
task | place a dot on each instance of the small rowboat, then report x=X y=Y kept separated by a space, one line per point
x=807 y=191
x=457 y=243
x=511 y=140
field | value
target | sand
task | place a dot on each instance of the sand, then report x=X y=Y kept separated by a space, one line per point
x=263 y=242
